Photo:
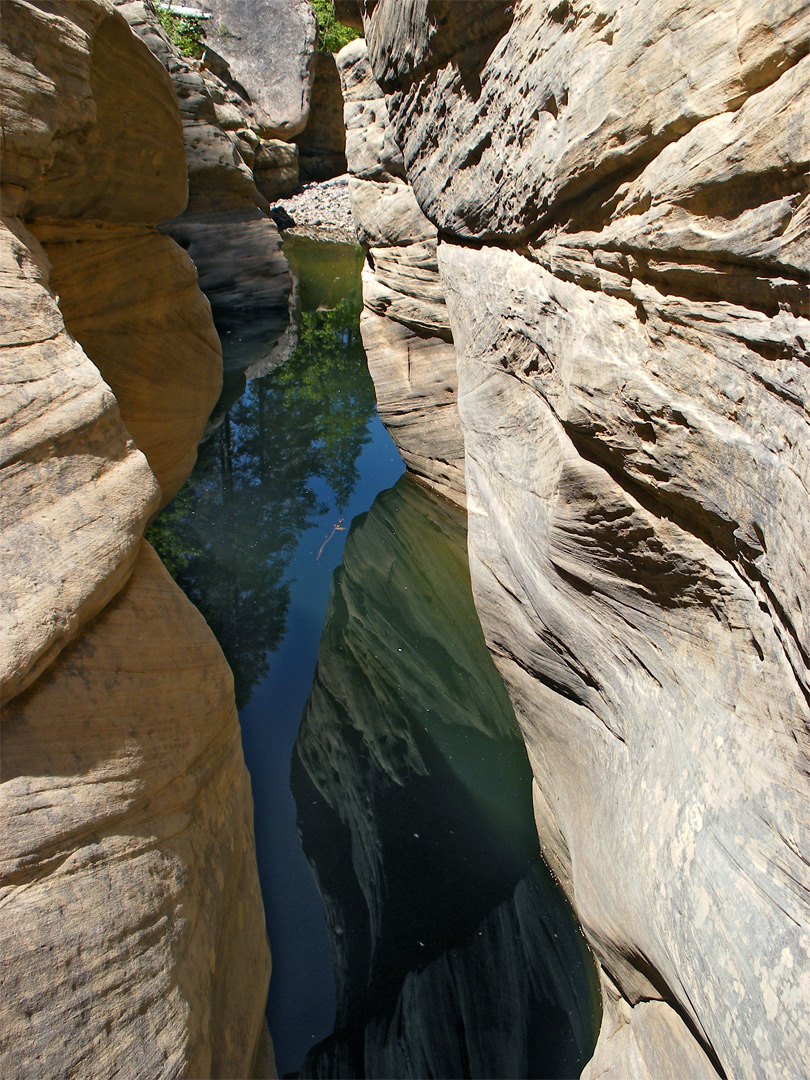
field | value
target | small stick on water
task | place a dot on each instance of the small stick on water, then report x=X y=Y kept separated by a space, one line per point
x=335 y=528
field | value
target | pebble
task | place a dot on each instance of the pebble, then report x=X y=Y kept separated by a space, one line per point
x=319 y=208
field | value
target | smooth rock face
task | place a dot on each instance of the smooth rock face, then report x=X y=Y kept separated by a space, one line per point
x=134 y=303
x=633 y=397
x=233 y=243
x=93 y=131
x=405 y=327
x=270 y=48
x=322 y=143
x=75 y=493
x=129 y=936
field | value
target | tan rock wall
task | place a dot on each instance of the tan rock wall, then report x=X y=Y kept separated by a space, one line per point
x=132 y=938
x=405 y=326
x=75 y=493
x=621 y=191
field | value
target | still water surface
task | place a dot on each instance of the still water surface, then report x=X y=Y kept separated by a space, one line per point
x=434 y=942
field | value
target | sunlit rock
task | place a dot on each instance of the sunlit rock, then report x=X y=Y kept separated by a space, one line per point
x=621 y=192
x=133 y=938
x=75 y=493
x=225 y=227
x=270 y=48
x=130 y=938
x=406 y=330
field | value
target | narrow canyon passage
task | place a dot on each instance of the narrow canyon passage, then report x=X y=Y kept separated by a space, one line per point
x=431 y=939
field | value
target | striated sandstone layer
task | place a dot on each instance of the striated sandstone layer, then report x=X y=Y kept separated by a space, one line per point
x=622 y=195
x=132 y=938
x=225 y=228
x=405 y=326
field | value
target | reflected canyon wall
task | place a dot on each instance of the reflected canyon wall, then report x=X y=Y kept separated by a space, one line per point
x=132 y=936
x=408 y=765
x=618 y=201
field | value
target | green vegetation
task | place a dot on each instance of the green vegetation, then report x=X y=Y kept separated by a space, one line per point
x=332 y=35
x=184 y=31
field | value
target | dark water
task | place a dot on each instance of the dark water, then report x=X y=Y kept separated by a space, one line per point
x=435 y=942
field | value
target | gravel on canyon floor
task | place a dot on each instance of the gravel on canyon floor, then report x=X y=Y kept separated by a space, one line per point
x=320 y=207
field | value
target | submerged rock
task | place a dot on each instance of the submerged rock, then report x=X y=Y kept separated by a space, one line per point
x=621 y=193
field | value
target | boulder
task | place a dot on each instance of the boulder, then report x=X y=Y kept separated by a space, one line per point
x=275 y=168
x=270 y=48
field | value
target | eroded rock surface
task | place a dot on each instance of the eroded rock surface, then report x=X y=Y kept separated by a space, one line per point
x=322 y=143
x=75 y=491
x=405 y=326
x=622 y=195
x=132 y=938
x=225 y=227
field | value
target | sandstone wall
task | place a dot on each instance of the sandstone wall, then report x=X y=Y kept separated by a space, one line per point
x=322 y=143
x=405 y=325
x=133 y=939
x=621 y=192
x=225 y=227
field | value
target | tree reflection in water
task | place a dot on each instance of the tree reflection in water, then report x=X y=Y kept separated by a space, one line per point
x=283 y=452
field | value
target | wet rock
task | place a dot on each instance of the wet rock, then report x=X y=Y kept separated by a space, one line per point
x=387 y=775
